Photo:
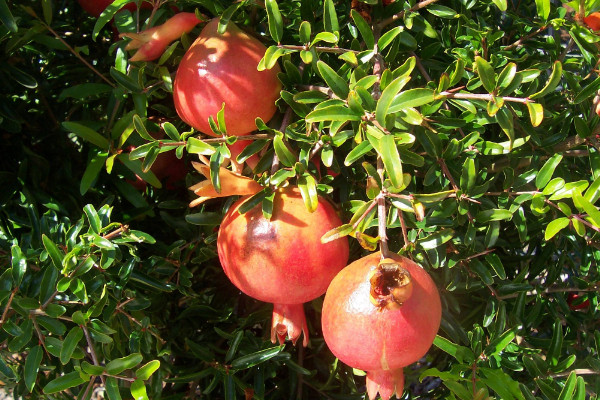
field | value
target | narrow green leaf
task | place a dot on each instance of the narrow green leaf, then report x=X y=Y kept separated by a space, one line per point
x=486 y=74
x=391 y=160
x=496 y=264
x=112 y=388
x=387 y=97
x=138 y=390
x=32 y=366
x=107 y=15
x=505 y=120
x=92 y=171
x=554 y=350
x=71 y=341
x=333 y=113
x=253 y=359
x=498 y=344
x=197 y=146
x=555 y=226
x=387 y=38
x=357 y=152
x=364 y=29
x=501 y=4
x=64 y=382
x=333 y=80
x=543 y=8
x=275 y=20
x=570 y=384
x=18 y=263
x=330 y=20
x=411 y=98
x=547 y=170
x=468 y=178
x=552 y=83
x=588 y=207
x=308 y=189
x=7 y=18
x=436 y=239
x=146 y=371
x=493 y=215
x=588 y=91
x=580 y=392
x=285 y=156
x=461 y=353
x=87 y=134
x=304 y=32
x=119 y=365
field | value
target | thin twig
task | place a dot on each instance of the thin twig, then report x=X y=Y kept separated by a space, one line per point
x=483 y=96
x=320 y=49
x=400 y=15
x=10 y=299
x=92 y=350
x=525 y=38
x=578 y=371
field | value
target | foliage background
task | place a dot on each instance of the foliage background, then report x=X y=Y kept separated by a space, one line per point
x=104 y=286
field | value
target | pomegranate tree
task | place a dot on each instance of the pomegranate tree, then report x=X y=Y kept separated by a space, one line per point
x=281 y=260
x=380 y=316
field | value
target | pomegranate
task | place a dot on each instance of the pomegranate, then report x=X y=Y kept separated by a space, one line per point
x=152 y=42
x=575 y=304
x=95 y=7
x=221 y=69
x=380 y=316
x=282 y=260
x=593 y=21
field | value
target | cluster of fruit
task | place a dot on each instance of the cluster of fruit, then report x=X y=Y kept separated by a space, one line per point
x=381 y=312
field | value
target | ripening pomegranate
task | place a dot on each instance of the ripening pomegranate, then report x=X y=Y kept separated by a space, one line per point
x=380 y=316
x=219 y=69
x=282 y=260
x=593 y=21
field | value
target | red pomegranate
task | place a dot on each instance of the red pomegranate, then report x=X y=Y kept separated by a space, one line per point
x=95 y=7
x=575 y=304
x=282 y=260
x=380 y=316
x=221 y=69
x=593 y=21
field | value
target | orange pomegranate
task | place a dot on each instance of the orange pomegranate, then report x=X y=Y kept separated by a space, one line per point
x=282 y=260
x=380 y=316
x=593 y=21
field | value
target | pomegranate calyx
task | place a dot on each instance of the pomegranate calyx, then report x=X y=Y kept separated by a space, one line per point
x=231 y=184
x=289 y=321
x=152 y=42
x=391 y=285
x=387 y=383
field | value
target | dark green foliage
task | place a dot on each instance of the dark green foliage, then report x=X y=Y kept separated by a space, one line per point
x=472 y=120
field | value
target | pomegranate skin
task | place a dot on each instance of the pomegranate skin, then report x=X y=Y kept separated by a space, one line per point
x=95 y=7
x=219 y=69
x=281 y=260
x=380 y=341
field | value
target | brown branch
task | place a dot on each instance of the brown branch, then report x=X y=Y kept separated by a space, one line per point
x=5 y=313
x=525 y=38
x=92 y=350
x=116 y=232
x=400 y=15
x=336 y=50
x=578 y=371
x=535 y=292
x=483 y=96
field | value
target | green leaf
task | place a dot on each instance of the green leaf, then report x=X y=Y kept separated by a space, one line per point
x=498 y=344
x=333 y=80
x=253 y=359
x=436 y=239
x=461 y=353
x=333 y=113
x=91 y=369
x=496 y=263
x=119 y=365
x=304 y=32
x=387 y=97
x=308 y=189
x=363 y=28
x=505 y=120
x=17 y=343
x=330 y=20
x=500 y=382
x=569 y=388
x=357 y=152
x=552 y=83
x=18 y=263
x=93 y=218
x=555 y=226
x=197 y=146
x=554 y=350
x=387 y=38
x=275 y=20
x=536 y=113
x=486 y=74
x=92 y=171
x=112 y=388
x=284 y=155
x=547 y=170
x=146 y=371
x=441 y=11
x=32 y=366
x=138 y=390
x=588 y=207
x=391 y=160
x=108 y=14
x=71 y=341
x=501 y=4
x=507 y=75
x=87 y=134
x=496 y=214
x=411 y=98
x=543 y=8
x=7 y=18
x=588 y=91
x=468 y=178
x=226 y=16
x=64 y=382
